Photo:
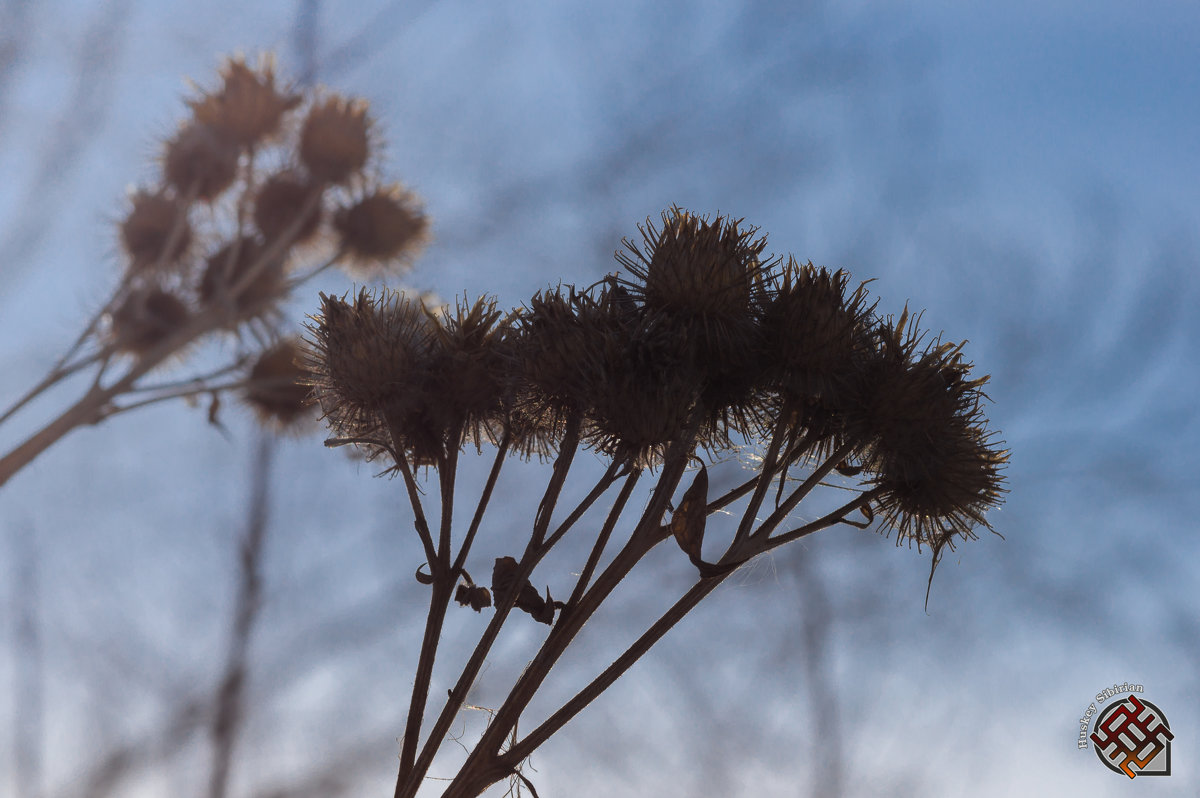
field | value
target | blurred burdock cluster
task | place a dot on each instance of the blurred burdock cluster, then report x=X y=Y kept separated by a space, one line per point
x=260 y=188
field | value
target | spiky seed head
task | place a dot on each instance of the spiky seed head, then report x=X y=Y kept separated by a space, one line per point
x=816 y=332
x=385 y=227
x=368 y=356
x=471 y=373
x=278 y=387
x=643 y=393
x=558 y=343
x=241 y=277
x=279 y=203
x=939 y=467
x=145 y=318
x=200 y=162
x=156 y=233
x=695 y=266
x=335 y=140
x=248 y=109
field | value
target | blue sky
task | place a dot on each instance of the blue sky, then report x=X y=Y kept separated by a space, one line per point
x=1026 y=172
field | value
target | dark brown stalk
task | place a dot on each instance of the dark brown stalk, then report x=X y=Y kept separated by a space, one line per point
x=482 y=767
x=420 y=523
x=481 y=508
x=409 y=786
x=610 y=522
x=611 y=474
x=527 y=745
x=764 y=482
x=444 y=579
x=790 y=456
x=836 y=517
x=814 y=479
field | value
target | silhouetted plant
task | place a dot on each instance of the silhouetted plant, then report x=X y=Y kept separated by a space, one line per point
x=702 y=349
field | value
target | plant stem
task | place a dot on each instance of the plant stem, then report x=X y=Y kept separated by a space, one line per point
x=527 y=745
x=610 y=522
x=414 y=498
x=793 y=452
x=482 y=767
x=814 y=479
x=481 y=508
x=444 y=579
x=439 y=600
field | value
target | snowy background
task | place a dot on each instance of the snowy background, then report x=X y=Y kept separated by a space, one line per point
x=1026 y=172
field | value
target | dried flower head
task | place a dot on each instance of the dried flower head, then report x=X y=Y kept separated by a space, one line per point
x=241 y=277
x=248 y=108
x=930 y=450
x=558 y=333
x=703 y=277
x=470 y=373
x=281 y=201
x=816 y=333
x=278 y=387
x=145 y=318
x=200 y=162
x=385 y=227
x=369 y=357
x=644 y=390
x=335 y=140
x=594 y=356
x=696 y=267
x=156 y=232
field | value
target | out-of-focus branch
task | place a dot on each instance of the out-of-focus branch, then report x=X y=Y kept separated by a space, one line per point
x=230 y=698
x=28 y=665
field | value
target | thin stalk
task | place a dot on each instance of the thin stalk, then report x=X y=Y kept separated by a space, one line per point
x=527 y=745
x=481 y=508
x=166 y=386
x=481 y=767
x=444 y=579
x=793 y=452
x=447 y=472
x=835 y=517
x=603 y=484
x=414 y=498
x=562 y=464
x=805 y=488
x=179 y=393
x=764 y=483
x=56 y=375
x=333 y=259
x=439 y=599
x=614 y=514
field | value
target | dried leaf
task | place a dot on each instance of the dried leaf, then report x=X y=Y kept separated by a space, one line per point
x=688 y=520
x=504 y=577
x=473 y=596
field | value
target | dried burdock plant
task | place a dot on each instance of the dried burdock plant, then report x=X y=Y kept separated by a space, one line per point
x=702 y=350
x=261 y=188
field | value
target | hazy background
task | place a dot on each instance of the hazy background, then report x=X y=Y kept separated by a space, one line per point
x=1026 y=172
